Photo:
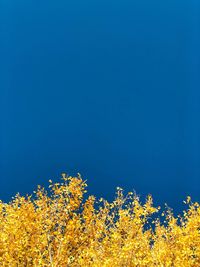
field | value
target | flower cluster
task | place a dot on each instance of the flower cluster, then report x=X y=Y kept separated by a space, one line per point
x=60 y=227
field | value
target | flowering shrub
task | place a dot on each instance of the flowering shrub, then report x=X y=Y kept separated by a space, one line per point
x=60 y=228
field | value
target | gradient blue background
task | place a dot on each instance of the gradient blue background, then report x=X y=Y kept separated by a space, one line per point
x=106 y=88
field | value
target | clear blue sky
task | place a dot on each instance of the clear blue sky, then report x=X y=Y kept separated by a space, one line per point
x=106 y=88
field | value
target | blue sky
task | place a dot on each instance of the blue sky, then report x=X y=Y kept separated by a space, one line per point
x=109 y=89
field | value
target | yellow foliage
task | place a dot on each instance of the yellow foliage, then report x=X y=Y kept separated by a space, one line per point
x=59 y=228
